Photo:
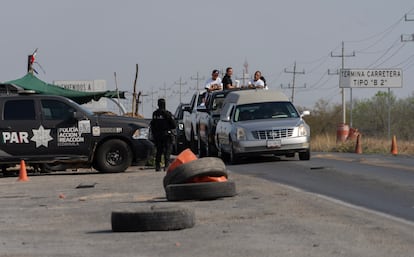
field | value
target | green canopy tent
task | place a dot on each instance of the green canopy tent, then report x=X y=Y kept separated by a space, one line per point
x=31 y=82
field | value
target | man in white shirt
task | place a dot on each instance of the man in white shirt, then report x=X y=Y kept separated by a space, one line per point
x=214 y=83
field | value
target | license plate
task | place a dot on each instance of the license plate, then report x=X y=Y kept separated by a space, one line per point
x=274 y=143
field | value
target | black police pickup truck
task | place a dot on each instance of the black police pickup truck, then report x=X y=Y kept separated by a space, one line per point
x=48 y=131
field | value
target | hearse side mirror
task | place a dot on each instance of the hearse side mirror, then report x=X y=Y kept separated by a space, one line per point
x=305 y=113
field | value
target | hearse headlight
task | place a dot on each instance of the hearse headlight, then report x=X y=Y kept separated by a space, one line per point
x=302 y=131
x=141 y=133
x=240 y=134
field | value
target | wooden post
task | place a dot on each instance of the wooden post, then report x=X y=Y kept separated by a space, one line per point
x=134 y=95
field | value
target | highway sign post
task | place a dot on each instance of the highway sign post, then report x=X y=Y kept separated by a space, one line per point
x=371 y=78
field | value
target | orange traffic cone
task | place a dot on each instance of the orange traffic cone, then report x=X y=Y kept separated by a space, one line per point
x=185 y=156
x=23 y=172
x=358 y=148
x=394 y=150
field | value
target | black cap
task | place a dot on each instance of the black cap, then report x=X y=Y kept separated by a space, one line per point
x=215 y=72
x=161 y=103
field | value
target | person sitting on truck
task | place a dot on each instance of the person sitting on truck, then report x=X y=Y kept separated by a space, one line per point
x=227 y=82
x=214 y=83
x=257 y=82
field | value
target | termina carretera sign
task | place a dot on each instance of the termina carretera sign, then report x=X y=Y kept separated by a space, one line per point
x=370 y=78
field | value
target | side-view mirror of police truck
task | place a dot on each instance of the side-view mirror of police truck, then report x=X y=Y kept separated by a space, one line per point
x=51 y=132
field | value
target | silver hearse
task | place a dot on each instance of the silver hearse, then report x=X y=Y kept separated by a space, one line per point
x=256 y=122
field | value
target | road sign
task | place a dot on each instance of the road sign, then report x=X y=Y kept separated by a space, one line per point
x=370 y=78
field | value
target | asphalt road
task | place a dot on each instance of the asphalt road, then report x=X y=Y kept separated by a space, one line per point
x=378 y=182
x=69 y=215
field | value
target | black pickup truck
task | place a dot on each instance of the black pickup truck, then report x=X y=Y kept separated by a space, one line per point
x=48 y=131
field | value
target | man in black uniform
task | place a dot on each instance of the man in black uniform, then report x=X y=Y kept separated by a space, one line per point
x=162 y=124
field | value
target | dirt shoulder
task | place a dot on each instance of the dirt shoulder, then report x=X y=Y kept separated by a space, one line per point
x=49 y=216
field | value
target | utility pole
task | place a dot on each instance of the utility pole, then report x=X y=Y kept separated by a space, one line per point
x=198 y=79
x=152 y=93
x=342 y=55
x=164 y=89
x=294 y=72
x=245 y=76
x=407 y=38
x=407 y=19
x=180 y=83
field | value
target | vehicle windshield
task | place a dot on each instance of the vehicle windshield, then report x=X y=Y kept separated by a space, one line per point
x=265 y=110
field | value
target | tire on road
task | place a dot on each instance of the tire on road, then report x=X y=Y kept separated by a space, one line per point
x=152 y=219
x=200 y=191
x=208 y=166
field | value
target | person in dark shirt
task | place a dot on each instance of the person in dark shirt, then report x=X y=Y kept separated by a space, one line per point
x=226 y=81
x=162 y=124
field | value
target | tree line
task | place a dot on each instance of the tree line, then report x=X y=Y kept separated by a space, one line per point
x=369 y=116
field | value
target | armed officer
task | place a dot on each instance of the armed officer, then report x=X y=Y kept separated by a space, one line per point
x=162 y=124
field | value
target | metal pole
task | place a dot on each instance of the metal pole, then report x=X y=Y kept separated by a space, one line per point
x=351 y=108
x=343 y=91
x=389 y=113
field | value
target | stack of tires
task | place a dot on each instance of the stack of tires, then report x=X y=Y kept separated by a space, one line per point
x=189 y=178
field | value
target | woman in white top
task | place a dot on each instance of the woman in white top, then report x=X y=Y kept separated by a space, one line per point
x=257 y=82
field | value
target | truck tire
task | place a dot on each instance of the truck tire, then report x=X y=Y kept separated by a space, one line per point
x=304 y=156
x=233 y=158
x=208 y=166
x=113 y=156
x=202 y=152
x=152 y=219
x=193 y=143
x=200 y=191
x=212 y=150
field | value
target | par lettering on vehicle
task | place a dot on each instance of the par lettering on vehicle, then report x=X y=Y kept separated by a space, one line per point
x=11 y=137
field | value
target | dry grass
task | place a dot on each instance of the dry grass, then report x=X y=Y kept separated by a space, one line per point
x=327 y=143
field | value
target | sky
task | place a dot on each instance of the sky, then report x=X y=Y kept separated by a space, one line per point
x=176 y=42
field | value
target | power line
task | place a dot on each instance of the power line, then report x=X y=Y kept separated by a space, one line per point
x=164 y=89
x=389 y=49
x=392 y=55
x=294 y=72
x=198 y=79
x=180 y=83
